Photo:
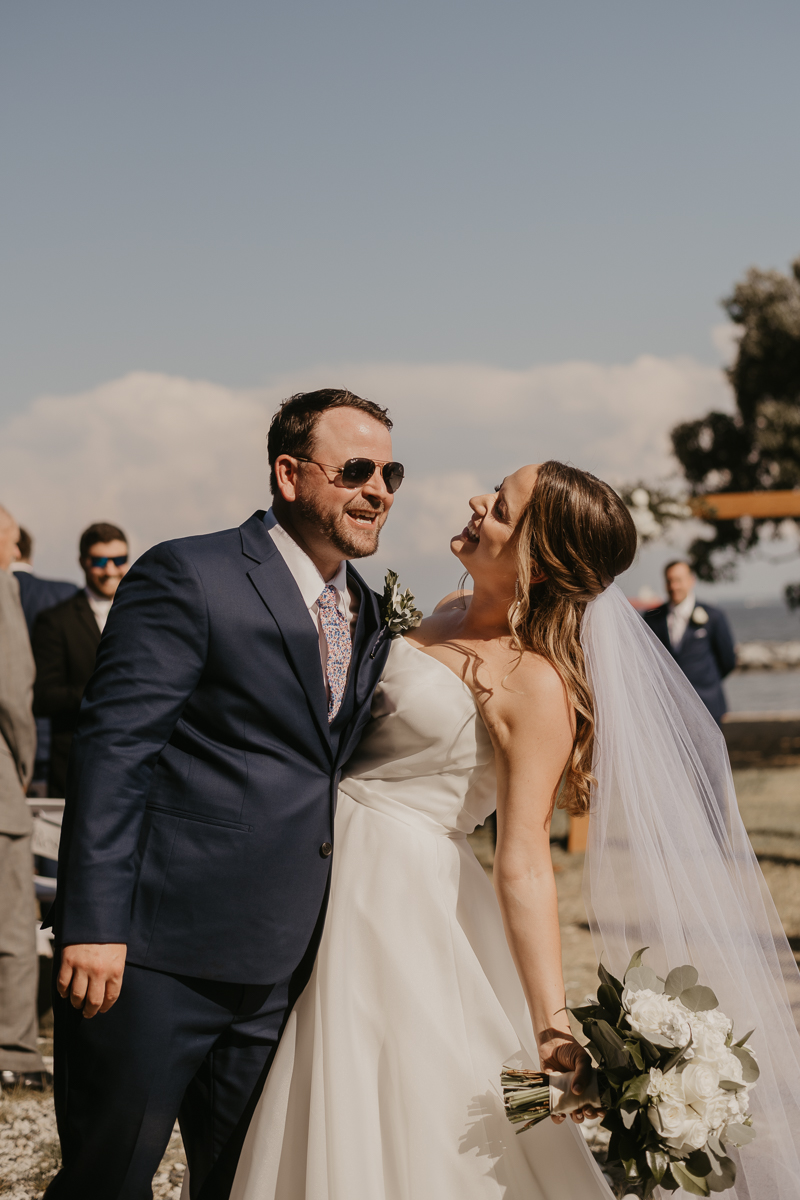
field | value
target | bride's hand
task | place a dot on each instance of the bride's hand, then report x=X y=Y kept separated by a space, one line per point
x=560 y=1052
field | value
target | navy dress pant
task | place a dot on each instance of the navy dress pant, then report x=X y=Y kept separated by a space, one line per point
x=170 y=1047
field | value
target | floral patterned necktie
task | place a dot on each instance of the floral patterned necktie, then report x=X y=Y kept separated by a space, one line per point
x=337 y=635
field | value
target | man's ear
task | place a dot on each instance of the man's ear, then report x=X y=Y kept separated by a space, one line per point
x=287 y=470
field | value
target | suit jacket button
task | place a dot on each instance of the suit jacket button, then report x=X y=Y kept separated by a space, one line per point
x=326 y=849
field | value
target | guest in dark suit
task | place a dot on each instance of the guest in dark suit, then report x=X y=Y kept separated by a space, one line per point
x=37 y=594
x=65 y=641
x=698 y=637
x=232 y=685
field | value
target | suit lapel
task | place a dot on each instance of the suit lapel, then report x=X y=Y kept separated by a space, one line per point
x=275 y=584
x=364 y=671
x=86 y=619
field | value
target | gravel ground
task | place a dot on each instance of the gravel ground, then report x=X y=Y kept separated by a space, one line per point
x=769 y=800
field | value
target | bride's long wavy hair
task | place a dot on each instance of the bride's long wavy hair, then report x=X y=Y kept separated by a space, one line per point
x=574 y=536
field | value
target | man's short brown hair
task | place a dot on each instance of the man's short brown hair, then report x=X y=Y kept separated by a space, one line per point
x=678 y=562
x=25 y=545
x=291 y=430
x=101 y=531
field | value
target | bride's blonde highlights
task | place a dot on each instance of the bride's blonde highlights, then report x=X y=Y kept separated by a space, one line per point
x=574 y=536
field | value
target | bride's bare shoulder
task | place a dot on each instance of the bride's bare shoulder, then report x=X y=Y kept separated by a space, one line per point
x=523 y=681
x=454 y=600
x=439 y=626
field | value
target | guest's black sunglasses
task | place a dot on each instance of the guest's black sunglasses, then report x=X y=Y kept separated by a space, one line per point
x=356 y=471
x=102 y=560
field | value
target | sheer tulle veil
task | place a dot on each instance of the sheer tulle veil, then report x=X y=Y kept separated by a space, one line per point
x=669 y=866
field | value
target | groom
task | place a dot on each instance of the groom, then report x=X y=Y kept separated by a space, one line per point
x=233 y=681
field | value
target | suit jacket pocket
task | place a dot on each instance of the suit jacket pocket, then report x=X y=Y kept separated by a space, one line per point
x=200 y=818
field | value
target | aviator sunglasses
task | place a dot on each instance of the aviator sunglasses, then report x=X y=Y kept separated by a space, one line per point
x=102 y=560
x=357 y=471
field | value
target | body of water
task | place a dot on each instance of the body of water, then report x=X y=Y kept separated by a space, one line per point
x=761 y=622
x=763 y=691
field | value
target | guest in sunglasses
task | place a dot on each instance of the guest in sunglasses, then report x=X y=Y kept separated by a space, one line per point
x=65 y=641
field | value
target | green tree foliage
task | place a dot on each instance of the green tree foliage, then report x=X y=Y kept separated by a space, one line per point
x=758 y=448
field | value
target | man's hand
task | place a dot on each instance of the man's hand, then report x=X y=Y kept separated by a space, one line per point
x=91 y=975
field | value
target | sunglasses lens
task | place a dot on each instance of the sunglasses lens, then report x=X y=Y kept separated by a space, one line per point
x=120 y=560
x=99 y=562
x=356 y=471
x=393 y=475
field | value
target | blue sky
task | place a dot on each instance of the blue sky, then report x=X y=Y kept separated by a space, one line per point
x=246 y=192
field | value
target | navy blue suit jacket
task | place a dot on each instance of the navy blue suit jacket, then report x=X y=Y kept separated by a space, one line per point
x=203 y=776
x=706 y=653
x=37 y=595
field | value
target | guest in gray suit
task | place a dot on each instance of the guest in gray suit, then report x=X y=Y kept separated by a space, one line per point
x=20 y=1061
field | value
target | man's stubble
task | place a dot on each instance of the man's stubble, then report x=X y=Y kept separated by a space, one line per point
x=347 y=542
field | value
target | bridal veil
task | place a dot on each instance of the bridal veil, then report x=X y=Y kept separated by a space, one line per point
x=669 y=866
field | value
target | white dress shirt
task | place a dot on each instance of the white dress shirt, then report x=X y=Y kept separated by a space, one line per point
x=678 y=619
x=311 y=584
x=100 y=606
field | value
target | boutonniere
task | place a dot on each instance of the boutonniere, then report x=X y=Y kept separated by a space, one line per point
x=699 y=616
x=398 y=611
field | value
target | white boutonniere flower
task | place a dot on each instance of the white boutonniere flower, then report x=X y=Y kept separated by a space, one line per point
x=699 y=616
x=398 y=611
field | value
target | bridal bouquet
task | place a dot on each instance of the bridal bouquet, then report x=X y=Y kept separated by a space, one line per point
x=674 y=1085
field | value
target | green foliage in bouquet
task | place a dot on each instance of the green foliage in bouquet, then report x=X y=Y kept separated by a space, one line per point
x=673 y=1082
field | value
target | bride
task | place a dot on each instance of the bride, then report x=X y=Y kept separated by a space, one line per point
x=543 y=686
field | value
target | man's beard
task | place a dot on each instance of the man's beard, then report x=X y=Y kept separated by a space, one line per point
x=350 y=543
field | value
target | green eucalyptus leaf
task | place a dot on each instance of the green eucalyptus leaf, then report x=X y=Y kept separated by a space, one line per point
x=742 y=1041
x=750 y=1071
x=690 y=1183
x=643 y=977
x=636 y=960
x=698 y=999
x=714 y=1144
x=725 y=1178
x=739 y=1135
x=679 y=980
x=729 y=1085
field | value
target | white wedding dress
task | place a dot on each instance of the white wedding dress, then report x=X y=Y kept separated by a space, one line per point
x=386 y=1085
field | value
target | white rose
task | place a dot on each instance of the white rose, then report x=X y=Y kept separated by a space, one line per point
x=648 y=1012
x=700 y=616
x=670 y=1118
x=700 y=1082
x=693 y=1136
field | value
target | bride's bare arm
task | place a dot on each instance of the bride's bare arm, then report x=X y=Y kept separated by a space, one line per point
x=530 y=722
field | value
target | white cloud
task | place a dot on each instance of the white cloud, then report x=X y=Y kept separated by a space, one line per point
x=165 y=457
